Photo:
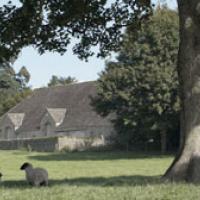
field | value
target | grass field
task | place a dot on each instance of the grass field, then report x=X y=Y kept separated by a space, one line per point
x=92 y=176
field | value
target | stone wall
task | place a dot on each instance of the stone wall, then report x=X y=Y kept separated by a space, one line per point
x=54 y=143
x=39 y=144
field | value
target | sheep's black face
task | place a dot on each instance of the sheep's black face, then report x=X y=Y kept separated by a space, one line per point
x=25 y=165
x=1 y=174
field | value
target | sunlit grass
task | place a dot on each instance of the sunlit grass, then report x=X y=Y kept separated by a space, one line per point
x=91 y=176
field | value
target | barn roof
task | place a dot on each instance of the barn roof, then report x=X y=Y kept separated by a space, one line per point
x=72 y=100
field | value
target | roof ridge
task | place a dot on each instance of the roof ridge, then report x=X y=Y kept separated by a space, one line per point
x=63 y=86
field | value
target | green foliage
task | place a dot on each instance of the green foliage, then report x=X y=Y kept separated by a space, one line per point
x=13 y=87
x=50 y=25
x=141 y=87
x=10 y=100
x=56 y=81
x=23 y=77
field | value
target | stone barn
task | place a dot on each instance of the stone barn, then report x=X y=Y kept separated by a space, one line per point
x=62 y=112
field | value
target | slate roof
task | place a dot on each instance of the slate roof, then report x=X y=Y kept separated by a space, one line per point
x=75 y=98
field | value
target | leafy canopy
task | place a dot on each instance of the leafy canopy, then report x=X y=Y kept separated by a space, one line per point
x=141 y=87
x=50 y=25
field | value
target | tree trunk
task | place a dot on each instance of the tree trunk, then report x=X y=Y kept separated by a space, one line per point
x=186 y=165
x=163 y=138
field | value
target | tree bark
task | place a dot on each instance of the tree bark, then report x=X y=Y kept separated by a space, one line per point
x=186 y=165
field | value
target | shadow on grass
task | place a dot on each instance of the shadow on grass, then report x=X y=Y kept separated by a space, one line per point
x=94 y=156
x=122 y=181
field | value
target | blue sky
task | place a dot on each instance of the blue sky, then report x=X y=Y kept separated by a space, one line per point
x=42 y=67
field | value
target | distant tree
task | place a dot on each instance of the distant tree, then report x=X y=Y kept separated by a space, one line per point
x=7 y=77
x=10 y=100
x=23 y=77
x=141 y=87
x=56 y=81
x=13 y=87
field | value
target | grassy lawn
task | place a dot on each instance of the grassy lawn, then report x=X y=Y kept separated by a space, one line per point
x=92 y=176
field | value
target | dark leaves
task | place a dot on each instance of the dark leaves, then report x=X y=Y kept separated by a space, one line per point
x=49 y=25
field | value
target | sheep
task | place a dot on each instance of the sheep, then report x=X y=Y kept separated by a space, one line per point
x=35 y=176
